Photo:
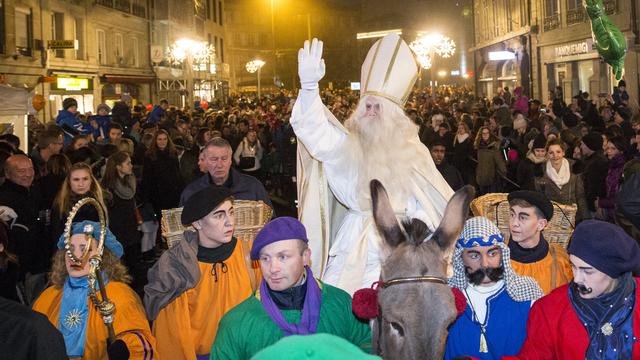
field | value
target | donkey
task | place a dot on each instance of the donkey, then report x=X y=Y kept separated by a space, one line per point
x=415 y=304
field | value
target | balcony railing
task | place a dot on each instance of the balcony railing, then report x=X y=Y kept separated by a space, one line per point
x=576 y=16
x=124 y=6
x=551 y=22
x=610 y=6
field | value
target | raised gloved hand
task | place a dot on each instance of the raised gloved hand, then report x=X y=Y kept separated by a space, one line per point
x=310 y=64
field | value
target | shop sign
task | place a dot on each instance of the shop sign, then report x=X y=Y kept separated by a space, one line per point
x=72 y=84
x=61 y=44
x=576 y=48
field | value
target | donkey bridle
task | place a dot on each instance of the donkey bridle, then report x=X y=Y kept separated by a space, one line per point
x=415 y=279
x=403 y=280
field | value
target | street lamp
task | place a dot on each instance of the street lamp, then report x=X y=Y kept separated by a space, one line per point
x=428 y=45
x=253 y=66
x=195 y=55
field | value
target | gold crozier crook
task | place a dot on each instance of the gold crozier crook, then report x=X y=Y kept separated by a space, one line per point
x=104 y=305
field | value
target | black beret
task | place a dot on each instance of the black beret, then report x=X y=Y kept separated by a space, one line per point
x=536 y=199
x=203 y=202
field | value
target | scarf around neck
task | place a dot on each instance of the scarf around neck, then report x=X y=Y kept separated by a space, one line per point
x=560 y=178
x=310 y=311
x=608 y=320
x=74 y=313
x=124 y=190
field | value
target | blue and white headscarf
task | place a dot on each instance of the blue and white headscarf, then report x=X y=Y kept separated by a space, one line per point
x=74 y=307
x=480 y=231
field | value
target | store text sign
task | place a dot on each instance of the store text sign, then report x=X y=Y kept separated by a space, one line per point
x=71 y=84
x=576 y=48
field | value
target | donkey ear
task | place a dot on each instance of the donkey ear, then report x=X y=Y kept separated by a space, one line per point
x=454 y=216
x=384 y=216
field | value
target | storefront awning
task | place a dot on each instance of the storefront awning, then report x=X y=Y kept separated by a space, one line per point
x=132 y=79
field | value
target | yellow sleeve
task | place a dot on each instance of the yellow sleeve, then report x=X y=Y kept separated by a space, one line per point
x=172 y=329
x=565 y=274
x=131 y=324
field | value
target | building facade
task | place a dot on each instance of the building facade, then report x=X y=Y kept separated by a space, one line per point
x=546 y=45
x=273 y=31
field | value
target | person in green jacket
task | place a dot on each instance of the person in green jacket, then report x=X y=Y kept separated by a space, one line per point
x=290 y=300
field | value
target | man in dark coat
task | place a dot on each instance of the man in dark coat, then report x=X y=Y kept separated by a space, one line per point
x=448 y=171
x=218 y=157
x=595 y=167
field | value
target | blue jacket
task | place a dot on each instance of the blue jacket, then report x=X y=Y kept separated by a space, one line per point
x=506 y=329
x=103 y=126
x=156 y=114
x=243 y=187
x=70 y=125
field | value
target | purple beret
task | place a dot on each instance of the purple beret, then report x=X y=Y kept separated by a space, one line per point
x=282 y=228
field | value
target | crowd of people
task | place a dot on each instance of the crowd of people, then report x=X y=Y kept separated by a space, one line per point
x=137 y=163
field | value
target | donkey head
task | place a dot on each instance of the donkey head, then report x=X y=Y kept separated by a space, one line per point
x=414 y=316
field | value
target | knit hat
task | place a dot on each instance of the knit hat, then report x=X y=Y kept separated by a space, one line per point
x=104 y=107
x=539 y=142
x=620 y=142
x=480 y=231
x=606 y=247
x=570 y=119
x=203 y=202
x=534 y=198
x=593 y=140
x=93 y=227
x=624 y=112
x=317 y=346
x=69 y=102
x=282 y=228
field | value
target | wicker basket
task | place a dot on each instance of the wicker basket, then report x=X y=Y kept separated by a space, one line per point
x=250 y=218
x=495 y=207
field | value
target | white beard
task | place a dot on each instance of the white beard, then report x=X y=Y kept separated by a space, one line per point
x=378 y=146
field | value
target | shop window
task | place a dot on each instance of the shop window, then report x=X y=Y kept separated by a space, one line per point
x=585 y=73
x=102 y=47
x=24 y=31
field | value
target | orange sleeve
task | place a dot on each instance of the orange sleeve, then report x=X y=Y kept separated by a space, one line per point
x=172 y=330
x=130 y=323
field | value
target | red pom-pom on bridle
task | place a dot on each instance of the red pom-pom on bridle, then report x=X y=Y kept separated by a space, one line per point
x=365 y=302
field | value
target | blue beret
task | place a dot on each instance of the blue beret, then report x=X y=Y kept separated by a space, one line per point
x=282 y=228
x=606 y=247
x=110 y=240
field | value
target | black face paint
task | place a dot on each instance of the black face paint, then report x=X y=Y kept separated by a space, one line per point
x=476 y=277
x=583 y=290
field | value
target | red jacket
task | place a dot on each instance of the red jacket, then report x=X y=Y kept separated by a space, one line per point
x=555 y=332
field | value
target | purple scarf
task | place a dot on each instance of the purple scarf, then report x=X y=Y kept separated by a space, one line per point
x=310 y=309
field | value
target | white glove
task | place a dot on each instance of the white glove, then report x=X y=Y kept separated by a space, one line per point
x=310 y=64
x=7 y=214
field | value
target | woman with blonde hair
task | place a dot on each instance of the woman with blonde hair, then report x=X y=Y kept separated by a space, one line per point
x=68 y=307
x=78 y=184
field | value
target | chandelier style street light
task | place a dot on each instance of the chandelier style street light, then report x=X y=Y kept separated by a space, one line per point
x=196 y=56
x=428 y=45
x=253 y=66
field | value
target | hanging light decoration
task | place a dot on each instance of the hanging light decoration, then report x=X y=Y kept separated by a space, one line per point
x=425 y=46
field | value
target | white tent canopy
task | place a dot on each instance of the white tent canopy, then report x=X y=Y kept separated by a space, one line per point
x=14 y=109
